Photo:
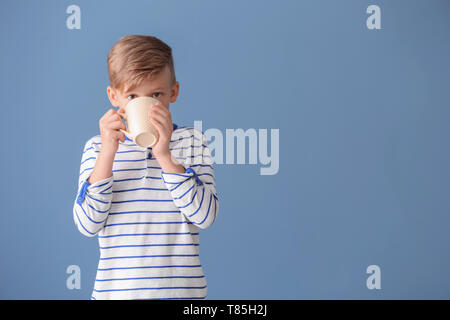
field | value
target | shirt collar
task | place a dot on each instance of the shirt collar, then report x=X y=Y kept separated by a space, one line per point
x=175 y=126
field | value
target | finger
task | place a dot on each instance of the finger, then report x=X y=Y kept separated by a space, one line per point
x=114 y=116
x=107 y=114
x=159 y=127
x=158 y=103
x=161 y=118
x=156 y=121
x=121 y=114
x=161 y=114
x=113 y=134
x=116 y=125
x=160 y=109
x=166 y=123
x=119 y=135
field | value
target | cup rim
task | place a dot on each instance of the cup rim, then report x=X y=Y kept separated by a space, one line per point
x=138 y=99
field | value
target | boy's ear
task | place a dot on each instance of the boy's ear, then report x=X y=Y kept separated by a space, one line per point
x=112 y=95
x=175 y=91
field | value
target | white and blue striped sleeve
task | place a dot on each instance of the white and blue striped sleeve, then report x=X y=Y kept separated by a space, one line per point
x=194 y=192
x=93 y=201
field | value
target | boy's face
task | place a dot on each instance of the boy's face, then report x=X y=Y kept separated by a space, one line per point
x=158 y=87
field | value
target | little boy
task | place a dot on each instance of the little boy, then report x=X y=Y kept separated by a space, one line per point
x=147 y=205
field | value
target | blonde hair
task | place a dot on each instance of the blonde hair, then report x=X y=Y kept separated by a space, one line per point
x=136 y=58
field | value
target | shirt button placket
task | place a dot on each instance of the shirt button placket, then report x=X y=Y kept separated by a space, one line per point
x=148 y=157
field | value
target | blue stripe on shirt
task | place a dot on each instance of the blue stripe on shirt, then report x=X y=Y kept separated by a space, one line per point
x=87 y=216
x=145 y=234
x=156 y=288
x=201 y=202
x=144 y=200
x=146 y=278
x=151 y=256
x=209 y=207
x=148 y=267
x=150 y=245
x=133 y=223
x=145 y=211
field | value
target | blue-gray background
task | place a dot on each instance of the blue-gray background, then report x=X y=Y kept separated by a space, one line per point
x=364 y=154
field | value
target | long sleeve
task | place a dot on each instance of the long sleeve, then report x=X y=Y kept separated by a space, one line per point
x=194 y=192
x=93 y=201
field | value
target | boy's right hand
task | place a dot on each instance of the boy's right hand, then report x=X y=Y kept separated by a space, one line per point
x=109 y=124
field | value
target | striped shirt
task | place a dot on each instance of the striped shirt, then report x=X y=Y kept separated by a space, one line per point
x=148 y=221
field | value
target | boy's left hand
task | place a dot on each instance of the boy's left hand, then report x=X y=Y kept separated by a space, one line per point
x=161 y=119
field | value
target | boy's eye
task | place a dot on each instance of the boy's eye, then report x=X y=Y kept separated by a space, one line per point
x=158 y=93
x=131 y=97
